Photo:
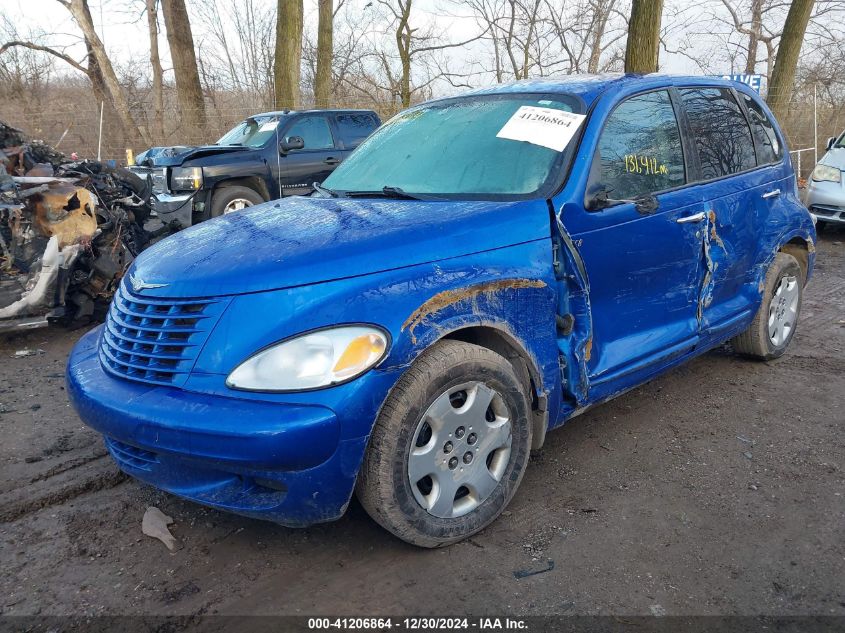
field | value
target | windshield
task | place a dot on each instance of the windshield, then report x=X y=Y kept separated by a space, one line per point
x=451 y=148
x=841 y=141
x=253 y=132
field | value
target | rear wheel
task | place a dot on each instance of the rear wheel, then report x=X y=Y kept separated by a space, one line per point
x=773 y=326
x=232 y=199
x=449 y=448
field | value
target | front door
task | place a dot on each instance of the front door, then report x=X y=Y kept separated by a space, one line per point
x=644 y=268
x=301 y=168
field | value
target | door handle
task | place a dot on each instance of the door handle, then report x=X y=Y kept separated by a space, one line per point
x=696 y=217
x=332 y=161
x=771 y=194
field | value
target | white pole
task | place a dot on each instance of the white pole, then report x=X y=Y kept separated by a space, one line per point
x=100 y=138
x=815 y=124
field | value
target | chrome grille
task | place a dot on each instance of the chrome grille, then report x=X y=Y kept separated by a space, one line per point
x=155 y=340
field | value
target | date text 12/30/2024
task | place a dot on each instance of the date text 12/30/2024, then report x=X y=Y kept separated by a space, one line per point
x=417 y=624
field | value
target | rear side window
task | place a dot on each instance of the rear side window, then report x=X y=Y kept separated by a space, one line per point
x=314 y=130
x=639 y=150
x=720 y=131
x=769 y=149
x=354 y=128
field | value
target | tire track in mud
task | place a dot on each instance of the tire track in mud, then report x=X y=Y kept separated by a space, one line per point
x=72 y=480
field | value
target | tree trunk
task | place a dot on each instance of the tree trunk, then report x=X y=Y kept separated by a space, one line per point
x=643 y=36
x=754 y=36
x=286 y=66
x=82 y=15
x=158 y=72
x=180 y=39
x=323 y=78
x=403 y=45
x=783 y=75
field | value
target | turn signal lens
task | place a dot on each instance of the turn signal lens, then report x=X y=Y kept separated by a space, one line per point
x=361 y=352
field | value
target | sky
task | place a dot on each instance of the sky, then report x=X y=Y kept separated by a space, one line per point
x=122 y=26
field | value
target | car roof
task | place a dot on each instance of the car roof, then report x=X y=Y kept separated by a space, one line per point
x=589 y=87
x=327 y=111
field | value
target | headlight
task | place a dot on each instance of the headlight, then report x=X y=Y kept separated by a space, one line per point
x=185 y=178
x=826 y=172
x=310 y=361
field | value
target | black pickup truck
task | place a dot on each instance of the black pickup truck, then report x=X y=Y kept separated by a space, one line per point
x=264 y=157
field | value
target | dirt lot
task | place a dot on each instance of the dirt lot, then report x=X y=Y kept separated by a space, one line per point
x=715 y=489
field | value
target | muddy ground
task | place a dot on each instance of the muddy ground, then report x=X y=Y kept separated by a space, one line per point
x=715 y=489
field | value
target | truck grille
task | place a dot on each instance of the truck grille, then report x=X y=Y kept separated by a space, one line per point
x=156 y=340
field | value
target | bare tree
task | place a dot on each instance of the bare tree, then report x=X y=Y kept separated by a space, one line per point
x=181 y=42
x=783 y=75
x=643 y=36
x=288 y=52
x=156 y=69
x=323 y=78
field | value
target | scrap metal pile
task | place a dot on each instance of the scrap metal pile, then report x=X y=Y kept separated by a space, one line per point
x=68 y=230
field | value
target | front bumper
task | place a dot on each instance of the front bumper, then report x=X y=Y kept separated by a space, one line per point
x=826 y=200
x=280 y=462
x=175 y=208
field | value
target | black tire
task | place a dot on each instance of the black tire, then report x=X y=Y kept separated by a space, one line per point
x=222 y=196
x=755 y=341
x=384 y=488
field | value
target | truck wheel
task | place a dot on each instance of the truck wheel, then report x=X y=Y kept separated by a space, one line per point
x=449 y=447
x=774 y=324
x=230 y=199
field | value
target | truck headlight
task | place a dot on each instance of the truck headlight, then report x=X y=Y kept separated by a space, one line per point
x=185 y=178
x=826 y=172
x=318 y=359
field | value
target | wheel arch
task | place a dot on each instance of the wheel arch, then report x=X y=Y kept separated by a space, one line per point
x=801 y=249
x=255 y=183
x=510 y=348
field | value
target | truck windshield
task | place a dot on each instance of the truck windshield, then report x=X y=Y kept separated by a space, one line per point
x=253 y=132
x=450 y=148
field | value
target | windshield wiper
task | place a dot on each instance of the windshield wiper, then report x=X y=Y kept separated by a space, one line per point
x=391 y=192
x=331 y=193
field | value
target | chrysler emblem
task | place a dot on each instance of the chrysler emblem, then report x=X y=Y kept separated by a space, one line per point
x=139 y=284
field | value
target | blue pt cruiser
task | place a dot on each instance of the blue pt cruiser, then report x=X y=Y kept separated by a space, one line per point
x=479 y=271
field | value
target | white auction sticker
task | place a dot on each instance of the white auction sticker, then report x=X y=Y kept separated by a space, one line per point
x=268 y=126
x=542 y=126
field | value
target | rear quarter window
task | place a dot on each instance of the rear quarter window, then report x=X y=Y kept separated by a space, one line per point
x=354 y=128
x=769 y=149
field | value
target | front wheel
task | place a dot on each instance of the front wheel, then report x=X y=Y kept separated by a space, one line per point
x=773 y=326
x=449 y=448
x=227 y=200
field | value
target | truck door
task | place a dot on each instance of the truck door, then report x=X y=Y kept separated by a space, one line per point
x=315 y=161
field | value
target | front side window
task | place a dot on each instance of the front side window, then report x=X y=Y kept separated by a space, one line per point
x=769 y=149
x=314 y=130
x=721 y=132
x=450 y=148
x=639 y=150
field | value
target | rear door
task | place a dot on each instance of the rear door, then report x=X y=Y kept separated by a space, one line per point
x=731 y=186
x=644 y=269
x=314 y=162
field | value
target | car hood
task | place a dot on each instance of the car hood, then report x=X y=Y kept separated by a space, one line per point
x=834 y=158
x=179 y=154
x=297 y=241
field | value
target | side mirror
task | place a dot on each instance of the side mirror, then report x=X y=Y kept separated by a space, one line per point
x=598 y=198
x=830 y=142
x=290 y=143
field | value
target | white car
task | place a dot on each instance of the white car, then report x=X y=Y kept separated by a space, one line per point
x=825 y=195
